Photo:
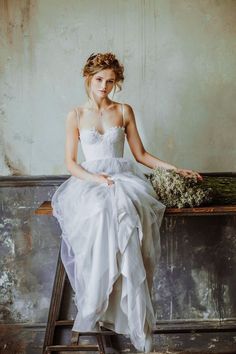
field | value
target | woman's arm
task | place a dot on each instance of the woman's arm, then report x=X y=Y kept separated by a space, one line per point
x=71 y=148
x=138 y=150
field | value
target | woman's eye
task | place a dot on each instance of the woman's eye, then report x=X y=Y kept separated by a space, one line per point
x=110 y=81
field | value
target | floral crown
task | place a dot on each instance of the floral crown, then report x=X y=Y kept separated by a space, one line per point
x=107 y=58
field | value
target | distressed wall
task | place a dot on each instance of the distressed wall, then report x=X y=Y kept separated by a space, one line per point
x=179 y=59
x=194 y=282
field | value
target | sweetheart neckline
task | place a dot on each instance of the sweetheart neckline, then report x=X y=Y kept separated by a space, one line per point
x=105 y=132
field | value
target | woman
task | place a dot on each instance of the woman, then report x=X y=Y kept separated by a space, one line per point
x=108 y=211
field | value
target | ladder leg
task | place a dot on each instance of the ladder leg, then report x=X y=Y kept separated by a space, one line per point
x=75 y=336
x=105 y=340
x=55 y=304
x=54 y=314
x=101 y=344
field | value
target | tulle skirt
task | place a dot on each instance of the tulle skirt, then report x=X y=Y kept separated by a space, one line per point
x=111 y=246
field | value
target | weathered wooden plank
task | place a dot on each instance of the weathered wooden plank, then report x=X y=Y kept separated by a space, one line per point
x=177 y=326
x=72 y=348
x=46 y=209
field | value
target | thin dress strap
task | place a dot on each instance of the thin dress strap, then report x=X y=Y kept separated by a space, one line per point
x=77 y=118
x=123 y=118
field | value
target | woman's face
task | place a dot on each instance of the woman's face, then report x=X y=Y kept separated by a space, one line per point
x=102 y=83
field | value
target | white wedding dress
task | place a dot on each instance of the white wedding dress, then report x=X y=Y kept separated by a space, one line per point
x=110 y=238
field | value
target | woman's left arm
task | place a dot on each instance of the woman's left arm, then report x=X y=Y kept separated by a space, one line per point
x=139 y=152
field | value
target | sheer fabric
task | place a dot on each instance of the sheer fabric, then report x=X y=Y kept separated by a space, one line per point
x=110 y=238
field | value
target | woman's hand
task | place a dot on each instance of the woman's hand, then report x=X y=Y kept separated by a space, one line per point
x=189 y=173
x=103 y=178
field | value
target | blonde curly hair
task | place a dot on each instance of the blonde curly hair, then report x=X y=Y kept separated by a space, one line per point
x=101 y=61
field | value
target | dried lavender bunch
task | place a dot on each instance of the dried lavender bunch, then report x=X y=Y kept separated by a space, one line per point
x=175 y=190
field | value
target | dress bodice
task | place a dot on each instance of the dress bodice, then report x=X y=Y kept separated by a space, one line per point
x=96 y=145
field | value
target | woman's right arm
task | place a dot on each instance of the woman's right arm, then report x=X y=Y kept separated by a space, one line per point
x=71 y=148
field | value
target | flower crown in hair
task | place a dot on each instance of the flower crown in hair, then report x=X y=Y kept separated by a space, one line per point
x=107 y=57
x=92 y=56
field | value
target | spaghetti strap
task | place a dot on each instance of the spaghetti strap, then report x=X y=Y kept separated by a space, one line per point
x=123 y=118
x=77 y=117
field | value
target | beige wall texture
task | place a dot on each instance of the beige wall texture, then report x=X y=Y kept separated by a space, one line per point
x=180 y=77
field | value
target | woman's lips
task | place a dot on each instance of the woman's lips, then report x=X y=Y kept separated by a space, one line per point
x=102 y=91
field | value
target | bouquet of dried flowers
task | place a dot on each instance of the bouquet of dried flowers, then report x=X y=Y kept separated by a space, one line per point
x=175 y=190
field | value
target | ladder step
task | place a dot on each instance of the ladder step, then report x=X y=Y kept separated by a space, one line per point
x=64 y=323
x=71 y=322
x=71 y=348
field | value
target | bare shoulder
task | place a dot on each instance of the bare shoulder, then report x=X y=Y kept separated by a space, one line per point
x=128 y=107
x=128 y=112
x=72 y=117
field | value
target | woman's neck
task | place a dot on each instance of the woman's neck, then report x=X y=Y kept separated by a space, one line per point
x=98 y=104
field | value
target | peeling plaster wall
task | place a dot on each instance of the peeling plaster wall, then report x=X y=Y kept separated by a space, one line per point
x=29 y=246
x=179 y=59
x=27 y=243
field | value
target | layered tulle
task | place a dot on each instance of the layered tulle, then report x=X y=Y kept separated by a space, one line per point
x=110 y=246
